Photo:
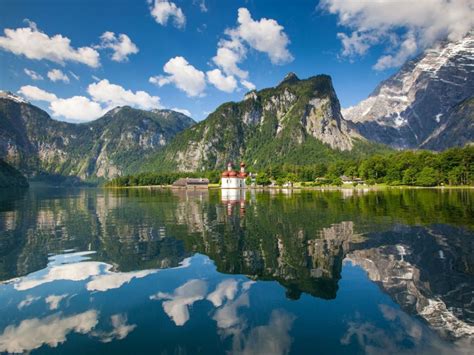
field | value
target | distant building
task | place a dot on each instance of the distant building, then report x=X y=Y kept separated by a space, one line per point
x=231 y=179
x=193 y=183
x=348 y=180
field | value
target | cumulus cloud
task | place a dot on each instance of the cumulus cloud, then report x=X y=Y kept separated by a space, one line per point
x=121 y=45
x=221 y=81
x=264 y=35
x=32 y=74
x=163 y=10
x=36 y=94
x=34 y=44
x=33 y=333
x=404 y=27
x=183 y=75
x=229 y=54
x=176 y=304
x=104 y=96
x=58 y=75
x=115 y=95
x=77 y=108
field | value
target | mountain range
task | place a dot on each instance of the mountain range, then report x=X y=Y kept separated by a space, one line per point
x=37 y=144
x=427 y=104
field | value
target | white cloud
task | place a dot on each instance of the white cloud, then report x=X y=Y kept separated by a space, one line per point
x=32 y=74
x=407 y=49
x=36 y=94
x=77 y=108
x=421 y=22
x=229 y=54
x=176 y=304
x=57 y=75
x=182 y=74
x=33 y=333
x=104 y=96
x=115 y=95
x=266 y=36
x=163 y=10
x=53 y=301
x=220 y=81
x=121 y=45
x=34 y=44
x=248 y=85
x=182 y=110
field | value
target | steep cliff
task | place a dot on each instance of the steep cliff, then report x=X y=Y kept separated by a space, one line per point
x=297 y=122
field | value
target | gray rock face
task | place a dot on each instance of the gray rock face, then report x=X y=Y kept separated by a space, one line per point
x=295 y=116
x=36 y=144
x=416 y=105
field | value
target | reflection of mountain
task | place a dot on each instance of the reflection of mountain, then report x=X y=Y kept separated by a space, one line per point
x=427 y=271
x=298 y=240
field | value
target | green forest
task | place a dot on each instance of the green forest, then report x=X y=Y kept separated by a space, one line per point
x=453 y=167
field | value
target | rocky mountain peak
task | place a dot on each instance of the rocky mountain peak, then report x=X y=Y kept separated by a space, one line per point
x=289 y=78
x=417 y=103
x=11 y=96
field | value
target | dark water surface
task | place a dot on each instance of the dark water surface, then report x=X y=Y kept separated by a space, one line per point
x=92 y=271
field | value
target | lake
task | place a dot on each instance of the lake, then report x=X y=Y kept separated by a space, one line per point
x=91 y=271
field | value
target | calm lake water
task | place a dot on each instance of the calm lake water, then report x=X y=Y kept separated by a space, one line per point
x=90 y=271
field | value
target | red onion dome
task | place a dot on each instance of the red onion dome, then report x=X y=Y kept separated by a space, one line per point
x=243 y=175
x=225 y=174
x=232 y=173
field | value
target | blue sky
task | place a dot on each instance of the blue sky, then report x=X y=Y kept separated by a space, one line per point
x=168 y=56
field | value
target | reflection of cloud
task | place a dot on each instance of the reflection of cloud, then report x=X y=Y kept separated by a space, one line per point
x=225 y=290
x=27 y=301
x=54 y=300
x=33 y=333
x=404 y=335
x=177 y=306
x=73 y=272
x=227 y=317
x=120 y=329
x=273 y=338
x=115 y=280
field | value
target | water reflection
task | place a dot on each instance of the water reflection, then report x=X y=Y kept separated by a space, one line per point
x=135 y=257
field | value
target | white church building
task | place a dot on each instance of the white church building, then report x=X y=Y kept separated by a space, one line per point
x=231 y=179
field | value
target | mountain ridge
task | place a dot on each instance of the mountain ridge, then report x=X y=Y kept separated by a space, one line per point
x=415 y=104
x=36 y=144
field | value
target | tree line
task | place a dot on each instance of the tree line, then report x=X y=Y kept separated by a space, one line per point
x=454 y=166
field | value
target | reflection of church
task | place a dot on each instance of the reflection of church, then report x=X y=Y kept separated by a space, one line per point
x=232 y=198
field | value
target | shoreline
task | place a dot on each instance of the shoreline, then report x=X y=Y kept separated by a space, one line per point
x=316 y=188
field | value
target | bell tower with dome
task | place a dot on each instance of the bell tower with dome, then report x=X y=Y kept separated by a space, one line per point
x=231 y=179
